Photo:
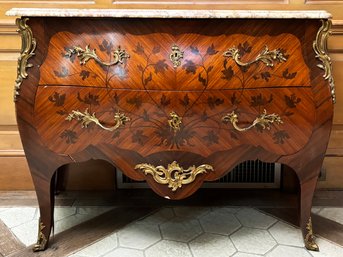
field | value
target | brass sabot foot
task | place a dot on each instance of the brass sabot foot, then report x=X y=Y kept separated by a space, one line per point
x=39 y=247
x=310 y=243
x=41 y=240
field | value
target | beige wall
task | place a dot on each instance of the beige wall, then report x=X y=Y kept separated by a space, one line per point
x=14 y=174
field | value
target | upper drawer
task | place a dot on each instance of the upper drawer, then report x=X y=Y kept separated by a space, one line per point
x=177 y=54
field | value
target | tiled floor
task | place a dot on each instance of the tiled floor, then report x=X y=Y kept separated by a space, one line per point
x=184 y=232
x=23 y=221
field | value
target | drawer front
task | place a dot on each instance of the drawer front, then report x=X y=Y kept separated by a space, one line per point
x=277 y=120
x=177 y=55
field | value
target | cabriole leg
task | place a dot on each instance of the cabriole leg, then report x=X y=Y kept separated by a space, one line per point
x=45 y=195
x=307 y=190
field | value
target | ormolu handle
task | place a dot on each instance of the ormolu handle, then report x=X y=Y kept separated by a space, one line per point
x=266 y=56
x=86 y=54
x=88 y=118
x=264 y=120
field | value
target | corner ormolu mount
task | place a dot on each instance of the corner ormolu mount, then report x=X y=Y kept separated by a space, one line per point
x=320 y=48
x=28 y=46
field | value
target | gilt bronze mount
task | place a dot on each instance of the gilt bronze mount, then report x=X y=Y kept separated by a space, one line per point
x=266 y=56
x=320 y=48
x=175 y=122
x=86 y=118
x=174 y=175
x=41 y=243
x=176 y=56
x=264 y=120
x=310 y=243
x=28 y=46
x=86 y=54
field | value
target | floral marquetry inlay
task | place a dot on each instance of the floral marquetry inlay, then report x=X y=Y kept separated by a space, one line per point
x=176 y=109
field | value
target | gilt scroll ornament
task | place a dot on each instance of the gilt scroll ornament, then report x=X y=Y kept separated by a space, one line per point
x=174 y=175
x=266 y=56
x=86 y=118
x=175 y=122
x=176 y=56
x=40 y=245
x=310 y=243
x=28 y=46
x=264 y=120
x=320 y=48
x=86 y=54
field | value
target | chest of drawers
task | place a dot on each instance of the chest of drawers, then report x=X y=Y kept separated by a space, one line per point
x=175 y=98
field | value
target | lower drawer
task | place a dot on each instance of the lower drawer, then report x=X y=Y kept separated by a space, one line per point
x=278 y=120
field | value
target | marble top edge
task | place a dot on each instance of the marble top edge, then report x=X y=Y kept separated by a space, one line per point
x=159 y=13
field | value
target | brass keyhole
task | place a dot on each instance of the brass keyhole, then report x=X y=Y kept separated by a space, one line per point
x=176 y=56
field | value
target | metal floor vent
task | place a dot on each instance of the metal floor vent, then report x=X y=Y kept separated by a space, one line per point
x=249 y=174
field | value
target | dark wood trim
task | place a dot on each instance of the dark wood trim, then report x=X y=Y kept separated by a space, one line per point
x=289 y=180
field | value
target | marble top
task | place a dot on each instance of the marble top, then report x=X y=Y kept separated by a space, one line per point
x=154 y=13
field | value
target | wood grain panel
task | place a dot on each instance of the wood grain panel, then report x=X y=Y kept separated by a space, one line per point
x=7 y=28
x=338 y=76
x=15 y=174
x=336 y=44
x=337 y=27
x=335 y=147
x=7 y=77
x=64 y=2
x=334 y=175
x=199 y=2
x=324 y=2
x=335 y=41
x=9 y=140
x=9 y=42
x=104 y=180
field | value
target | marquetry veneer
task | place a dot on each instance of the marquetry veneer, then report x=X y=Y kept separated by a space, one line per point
x=175 y=98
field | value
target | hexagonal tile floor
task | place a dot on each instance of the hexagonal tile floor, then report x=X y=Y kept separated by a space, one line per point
x=184 y=232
